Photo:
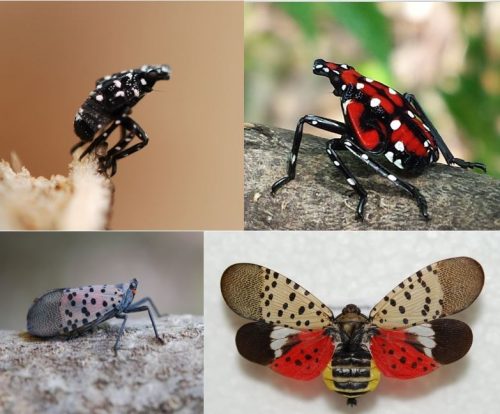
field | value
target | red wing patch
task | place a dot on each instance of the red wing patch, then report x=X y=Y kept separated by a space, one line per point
x=307 y=358
x=398 y=354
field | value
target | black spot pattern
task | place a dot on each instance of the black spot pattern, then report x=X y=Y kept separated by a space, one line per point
x=415 y=300
x=87 y=304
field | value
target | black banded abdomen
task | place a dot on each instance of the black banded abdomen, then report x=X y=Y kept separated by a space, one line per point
x=351 y=374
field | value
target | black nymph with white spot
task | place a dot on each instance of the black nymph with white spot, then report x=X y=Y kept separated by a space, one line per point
x=378 y=120
x=72 y=311
x=109 y=106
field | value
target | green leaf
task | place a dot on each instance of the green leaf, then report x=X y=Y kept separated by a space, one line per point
x=367 y=24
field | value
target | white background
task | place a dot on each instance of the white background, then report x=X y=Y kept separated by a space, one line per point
x=341 y=268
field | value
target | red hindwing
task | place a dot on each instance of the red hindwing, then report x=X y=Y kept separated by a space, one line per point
x=398 y=355
x=307 y=358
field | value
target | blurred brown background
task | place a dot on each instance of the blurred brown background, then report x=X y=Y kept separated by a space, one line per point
x=168 y=266
x=190 y=176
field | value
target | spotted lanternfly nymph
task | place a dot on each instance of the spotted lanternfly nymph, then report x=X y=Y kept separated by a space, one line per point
x=377 y=120
x=71 y=311
x=404 y=337
x=109 y=106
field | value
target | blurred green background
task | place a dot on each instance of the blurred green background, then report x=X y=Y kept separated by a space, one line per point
x=447 y=54
x=168 y=266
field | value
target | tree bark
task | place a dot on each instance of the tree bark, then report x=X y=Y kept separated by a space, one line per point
x=83 y=375
x=320 y=198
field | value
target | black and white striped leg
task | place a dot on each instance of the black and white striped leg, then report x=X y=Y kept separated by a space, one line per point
x=99 y=140
x=448 y=156
x=134 y=130
x=131 y=130
x=338 y=144
x=410 y=189
x=142 y=309
x=313 y=120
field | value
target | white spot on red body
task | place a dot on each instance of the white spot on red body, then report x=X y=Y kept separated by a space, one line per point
x=374 y=102
x=360 y=85
x=398 y=163
x=395 y=124
x=392 y=91
x=368 y=80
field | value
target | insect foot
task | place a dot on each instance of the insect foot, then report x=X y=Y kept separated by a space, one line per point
x=72 y=311
x=109 y=106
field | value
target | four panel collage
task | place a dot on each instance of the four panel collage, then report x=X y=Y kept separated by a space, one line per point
x=303 y=213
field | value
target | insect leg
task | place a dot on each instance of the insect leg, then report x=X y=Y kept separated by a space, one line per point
x=413 y=191
x=448 y=156
x=133 y=130
x=145 y=300
x=100 y=139
x=331 y=147
x=120 y=333
x=141 y=309
x=78 y=145
x=316 y=121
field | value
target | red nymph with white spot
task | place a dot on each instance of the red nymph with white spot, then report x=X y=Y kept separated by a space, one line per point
x=378 y=120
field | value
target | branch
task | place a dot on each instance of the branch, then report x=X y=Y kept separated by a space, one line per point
x=83 y=374
x=320 y=199
x=80 y=201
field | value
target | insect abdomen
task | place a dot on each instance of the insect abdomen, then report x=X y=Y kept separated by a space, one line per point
x=44 y=316
x=351 y=375
x=90 y=119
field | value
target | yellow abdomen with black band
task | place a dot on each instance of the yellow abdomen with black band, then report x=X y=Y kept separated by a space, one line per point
x=351 y=376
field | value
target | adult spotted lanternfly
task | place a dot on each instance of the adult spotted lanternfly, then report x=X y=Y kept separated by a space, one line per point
x=109 y=106
x=404 y=336
x=71 y=311
x=378 y=120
